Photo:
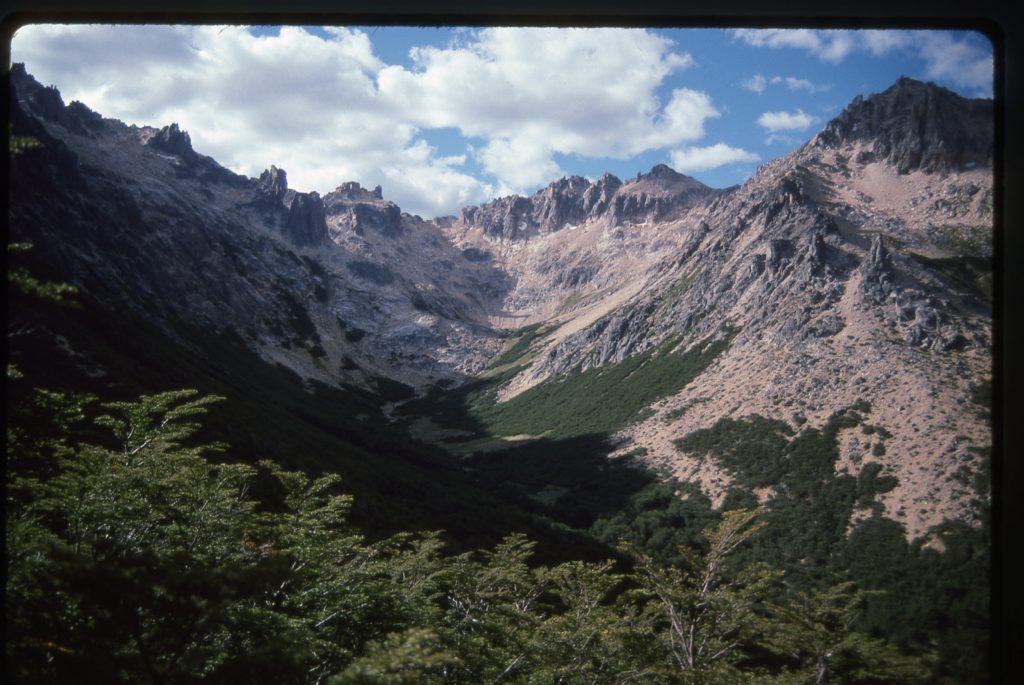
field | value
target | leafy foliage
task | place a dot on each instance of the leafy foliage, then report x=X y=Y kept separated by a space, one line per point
x=752 y=448
x=815 y=630
x=704 y=616
x=662 y=519
x=809 y=536
x=597 y=401
x=135 y=557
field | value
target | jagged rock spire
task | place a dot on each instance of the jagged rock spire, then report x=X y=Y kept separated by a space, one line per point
x=274 y=181
x=172 y=140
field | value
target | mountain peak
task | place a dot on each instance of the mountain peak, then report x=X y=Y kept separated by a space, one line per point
x=43 y=101
x=915 y=125
x=358 y=209
x=352 y=191
x=172 y=140
x=274 y=181
x=663 y=171
x=662 y=178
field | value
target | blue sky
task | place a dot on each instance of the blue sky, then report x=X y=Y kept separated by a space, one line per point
x=442 y=118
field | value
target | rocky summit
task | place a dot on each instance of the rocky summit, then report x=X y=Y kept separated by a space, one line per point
x=853 y=272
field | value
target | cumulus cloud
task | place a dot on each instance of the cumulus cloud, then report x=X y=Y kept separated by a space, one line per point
x=327 y=109
x=794 y=83
x=831 y=45
x=306 y=103
x=956 y=61
x=882 y=42
x=785 y=121
x=690 y=159
x=781 y=38
x=519 y=163
x=535 y=93
x=758 y=83
x=957 y=58
x=755 y=84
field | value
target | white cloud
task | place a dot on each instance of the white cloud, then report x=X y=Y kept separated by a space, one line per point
x=758 y=83
x=957 y=62
x=961 y=59
x=519 y=163
x=775 y=138
x=836 y=45
x=831 y=45
x=755 y=84
x=882 y=42
x=780 y=38
x=328 y=110
x=785 y=121
x=535 y=93
x=794 y=83
x=690 y=159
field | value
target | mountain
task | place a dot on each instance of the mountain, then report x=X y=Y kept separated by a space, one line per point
x=855 y=271
x=344 y=287
x=602 y=361
x=855 y=268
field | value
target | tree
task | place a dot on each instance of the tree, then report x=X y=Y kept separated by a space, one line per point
x=814 y=630
x=22 y=286
x=703 y=613
x=492 y=611
x=596 y=635
x=413 y=657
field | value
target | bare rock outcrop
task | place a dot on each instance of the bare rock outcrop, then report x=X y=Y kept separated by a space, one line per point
x=658 y=195
x=306 y=225
x=915 y=125
x=357 y=209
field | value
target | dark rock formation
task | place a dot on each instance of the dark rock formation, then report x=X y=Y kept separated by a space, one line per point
x=563 y=202
x=779 y=251
x=915 y=125
x=598 y=196
x=306 y=225
x=358 y=209
x=274 y=181
x=876 y=272
x=46 y=103
x=574 y=200
x=656 y=196
x=173 y=141
x=507 y=218
x=474 y=254
x=351 y=191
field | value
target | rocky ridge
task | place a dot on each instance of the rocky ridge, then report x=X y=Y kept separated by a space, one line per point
x=659 y=195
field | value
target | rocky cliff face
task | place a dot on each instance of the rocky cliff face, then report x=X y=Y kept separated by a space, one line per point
x=656 y=196
x=356 y=209
x=855 y=268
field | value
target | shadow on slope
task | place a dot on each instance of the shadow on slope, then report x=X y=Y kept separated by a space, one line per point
x=549 y=448
x=399 y=482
